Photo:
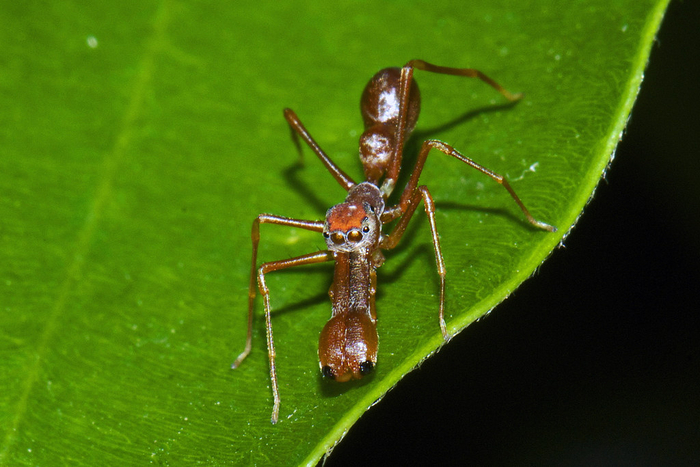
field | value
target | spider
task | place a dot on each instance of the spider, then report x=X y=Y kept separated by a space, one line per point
x=390 y=105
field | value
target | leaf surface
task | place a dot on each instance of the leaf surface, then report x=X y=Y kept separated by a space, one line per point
x=139 y=141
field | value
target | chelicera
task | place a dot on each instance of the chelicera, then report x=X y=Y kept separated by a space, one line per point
x=390 y=105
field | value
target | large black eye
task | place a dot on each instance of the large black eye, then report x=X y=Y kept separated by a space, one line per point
x=354 y=236
x=366 y=367
x=327 y=372
x=337 y=238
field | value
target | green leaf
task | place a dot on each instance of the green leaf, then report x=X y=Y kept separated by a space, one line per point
x=140 y=139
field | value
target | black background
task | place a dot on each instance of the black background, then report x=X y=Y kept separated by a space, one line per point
x=596 y=359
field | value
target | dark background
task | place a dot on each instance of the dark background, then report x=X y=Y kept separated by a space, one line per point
x=596 y=359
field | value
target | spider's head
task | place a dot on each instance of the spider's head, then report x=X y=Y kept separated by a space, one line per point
x=352 y=226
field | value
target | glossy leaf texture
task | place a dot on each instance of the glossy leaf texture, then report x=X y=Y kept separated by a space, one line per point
x=140 y=139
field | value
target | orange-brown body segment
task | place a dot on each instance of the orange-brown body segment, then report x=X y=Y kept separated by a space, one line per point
x=348 y=342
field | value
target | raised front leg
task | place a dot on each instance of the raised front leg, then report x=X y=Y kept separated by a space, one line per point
x=260 y=274
x=255 y=236
x=319 y=257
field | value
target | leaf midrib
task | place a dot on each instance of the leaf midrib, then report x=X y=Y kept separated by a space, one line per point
x=111 y=163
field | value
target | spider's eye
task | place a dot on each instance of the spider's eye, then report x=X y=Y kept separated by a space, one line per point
x=365 y=229
x=354 y=236
x=326 y=234
x=337 y=238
